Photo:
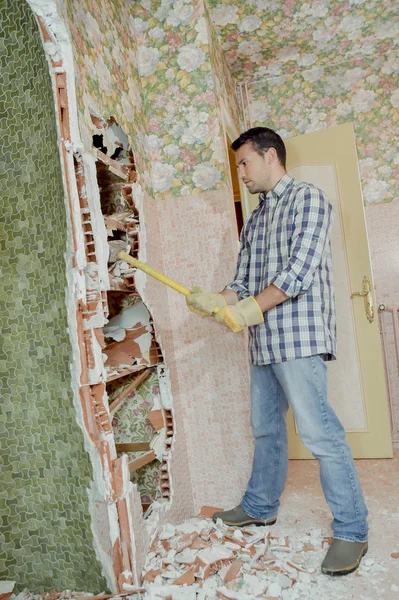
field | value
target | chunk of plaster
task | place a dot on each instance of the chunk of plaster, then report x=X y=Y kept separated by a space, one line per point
x=233 y=570
x=274 y=590
x=6 y=589
x=212 y=555
x=128 y=318
x=155 y=417
x=150 y=575
x=188 y=578
x=144 y=341
x=130 y=346
x=158 y=444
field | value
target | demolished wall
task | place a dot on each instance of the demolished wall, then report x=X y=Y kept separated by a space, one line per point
x=182 y=165
x=184 y=201
x=45 y=532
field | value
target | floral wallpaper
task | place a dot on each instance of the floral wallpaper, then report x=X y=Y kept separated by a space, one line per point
x=130 y=424
x=225 y=84
x=159 y=68
x=316 y=64
x=184 y=133
x=263 y=38
x=149 y=64
x=364 y=92
x=108 y=82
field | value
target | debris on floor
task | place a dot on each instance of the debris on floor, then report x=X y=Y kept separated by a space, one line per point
x=69 y=595
x=214 y=561
x=203 y=560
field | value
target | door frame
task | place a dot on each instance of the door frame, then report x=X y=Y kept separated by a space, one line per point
x=375 y=441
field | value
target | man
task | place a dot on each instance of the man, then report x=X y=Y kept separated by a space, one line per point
x=283 y=291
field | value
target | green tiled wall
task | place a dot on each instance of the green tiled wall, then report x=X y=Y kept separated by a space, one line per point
x=45 y=535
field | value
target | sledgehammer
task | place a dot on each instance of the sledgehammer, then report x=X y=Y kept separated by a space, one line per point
x=153 y=273
x=157 y=275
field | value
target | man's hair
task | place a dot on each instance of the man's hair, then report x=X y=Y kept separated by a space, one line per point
x=261 y=139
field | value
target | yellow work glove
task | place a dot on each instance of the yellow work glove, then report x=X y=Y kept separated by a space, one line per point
x=204 y=303
x=238 y=316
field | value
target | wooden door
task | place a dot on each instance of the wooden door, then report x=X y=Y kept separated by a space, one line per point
x=356 y=380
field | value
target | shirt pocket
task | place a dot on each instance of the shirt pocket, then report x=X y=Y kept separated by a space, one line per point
x=282 y=228
x=279 y=234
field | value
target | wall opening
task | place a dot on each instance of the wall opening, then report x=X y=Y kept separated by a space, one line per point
x=142 y=426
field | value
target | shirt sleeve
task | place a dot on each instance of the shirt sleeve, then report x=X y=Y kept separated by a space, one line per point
x=239 y=285
x=312 y=232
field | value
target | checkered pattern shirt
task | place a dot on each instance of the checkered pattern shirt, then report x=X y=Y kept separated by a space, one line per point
x=286 y=241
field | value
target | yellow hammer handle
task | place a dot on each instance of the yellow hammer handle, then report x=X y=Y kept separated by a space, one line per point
x=153 y=273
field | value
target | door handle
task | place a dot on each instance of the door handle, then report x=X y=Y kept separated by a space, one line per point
x=368 y=299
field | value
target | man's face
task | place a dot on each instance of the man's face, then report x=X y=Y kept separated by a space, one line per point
x=254 y=169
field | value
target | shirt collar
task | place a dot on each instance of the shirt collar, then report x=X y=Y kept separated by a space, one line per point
x=280 y=188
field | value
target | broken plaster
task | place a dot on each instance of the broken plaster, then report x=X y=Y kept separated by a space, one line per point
x=158 y=443
x=83 y=279
x=165 y=389
x=113 y=137
x=129 y=318
x=97 y=221
x=96 y=372
x=76 y=288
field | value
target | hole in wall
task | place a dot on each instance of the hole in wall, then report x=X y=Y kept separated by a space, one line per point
x=142 y=426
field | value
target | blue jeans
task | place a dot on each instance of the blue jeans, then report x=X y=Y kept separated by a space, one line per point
x=303 y=384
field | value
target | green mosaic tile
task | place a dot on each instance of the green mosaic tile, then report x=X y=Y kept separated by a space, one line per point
x=45 y=533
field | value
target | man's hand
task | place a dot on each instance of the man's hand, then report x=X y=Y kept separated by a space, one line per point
x=204 y=303
x=238 y=316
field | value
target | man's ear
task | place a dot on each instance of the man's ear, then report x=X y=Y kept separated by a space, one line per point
x=272 y=155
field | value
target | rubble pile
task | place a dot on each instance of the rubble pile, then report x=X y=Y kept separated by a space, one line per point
x=70 y=595
x=203 y=560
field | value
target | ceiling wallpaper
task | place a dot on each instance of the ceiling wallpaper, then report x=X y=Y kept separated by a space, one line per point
x=315 y=64
x=363 y=92
x=263 y=38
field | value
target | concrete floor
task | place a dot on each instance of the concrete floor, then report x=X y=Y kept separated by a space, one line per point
x=304 y=509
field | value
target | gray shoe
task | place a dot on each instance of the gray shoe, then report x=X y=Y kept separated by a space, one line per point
x=343 y=557
x=239 y=518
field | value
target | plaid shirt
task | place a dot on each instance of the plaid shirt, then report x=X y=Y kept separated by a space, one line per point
x=286 y=241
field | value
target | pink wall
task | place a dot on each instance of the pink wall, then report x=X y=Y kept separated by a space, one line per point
x=382 y=225
x=157 y=299
x=208 y=364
